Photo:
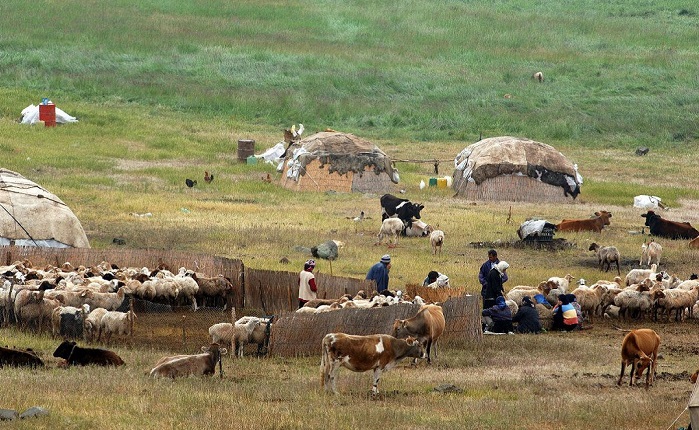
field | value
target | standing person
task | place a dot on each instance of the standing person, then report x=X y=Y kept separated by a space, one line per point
x=494 y=281
x=483 y=274
x=527 y=317
x=307 y=283
x=379 y=274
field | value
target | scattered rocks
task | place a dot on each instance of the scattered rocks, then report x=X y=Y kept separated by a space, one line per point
x=33 y=412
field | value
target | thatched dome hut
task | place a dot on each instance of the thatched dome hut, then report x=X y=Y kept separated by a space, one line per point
x=331 y=160
x=515 y=169
x=32 y=216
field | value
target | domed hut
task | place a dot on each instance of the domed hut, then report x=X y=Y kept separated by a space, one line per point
x=32 y=216
x=331 y=160
x=515 y=169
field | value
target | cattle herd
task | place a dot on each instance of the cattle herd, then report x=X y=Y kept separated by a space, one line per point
x=88 y=303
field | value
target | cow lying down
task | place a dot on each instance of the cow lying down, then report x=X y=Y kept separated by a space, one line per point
x=179 y=366
x=75 y=355
x=377 y=352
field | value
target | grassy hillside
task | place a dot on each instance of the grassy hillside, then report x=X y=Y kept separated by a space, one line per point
x=615 y=74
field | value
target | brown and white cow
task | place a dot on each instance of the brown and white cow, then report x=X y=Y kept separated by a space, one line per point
x=592 y=224
x=190 y=365
x=640 y=348
x=427 y=325
x=377 y=352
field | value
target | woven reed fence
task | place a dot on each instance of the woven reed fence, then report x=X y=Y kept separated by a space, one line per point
x=277 y=292
x=296 y=334
x=511 y=188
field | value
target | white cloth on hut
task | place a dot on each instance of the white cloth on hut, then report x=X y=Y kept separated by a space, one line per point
x=531 y=227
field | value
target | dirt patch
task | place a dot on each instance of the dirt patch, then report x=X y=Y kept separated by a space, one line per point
x=552 y=245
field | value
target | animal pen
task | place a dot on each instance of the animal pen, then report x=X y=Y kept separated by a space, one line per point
x=261 y=293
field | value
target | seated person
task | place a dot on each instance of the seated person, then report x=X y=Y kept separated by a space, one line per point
x=527 y=317
x=540 y=299
x=565 y=316
x=498 y=318
x=435 y=279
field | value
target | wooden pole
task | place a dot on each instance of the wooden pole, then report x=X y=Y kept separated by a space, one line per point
x=184 y=331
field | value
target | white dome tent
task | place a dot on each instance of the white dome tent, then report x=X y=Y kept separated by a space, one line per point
x=32 y=216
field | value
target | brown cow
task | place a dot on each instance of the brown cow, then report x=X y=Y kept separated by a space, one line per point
x=15 y=358
x=591 y=224
x=427 y=325
x=640 y=347
x=671 y=229
x=377 y=352
x=190 y=365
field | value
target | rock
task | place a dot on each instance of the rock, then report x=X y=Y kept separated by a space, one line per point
x=448 y=388
x=8 y=414
x=34 y=411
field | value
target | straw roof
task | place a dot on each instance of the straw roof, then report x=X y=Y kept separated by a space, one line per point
x=32 y=216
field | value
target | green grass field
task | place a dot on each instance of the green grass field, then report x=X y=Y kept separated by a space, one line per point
x=163 y=90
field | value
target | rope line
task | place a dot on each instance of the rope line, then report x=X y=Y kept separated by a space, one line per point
x=19 y=224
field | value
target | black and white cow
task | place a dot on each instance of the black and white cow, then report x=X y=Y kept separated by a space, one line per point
x=401 y=208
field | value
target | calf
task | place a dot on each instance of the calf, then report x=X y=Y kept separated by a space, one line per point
x=15 y=358
x=401 y=208
x=640 y=348
x=75 y=355
x=592 y=224
x=190 y=365
x=427 y=325
x=670 y=229
x=377 y=352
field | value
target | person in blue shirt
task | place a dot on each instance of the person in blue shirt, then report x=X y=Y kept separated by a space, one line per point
x=379 y=274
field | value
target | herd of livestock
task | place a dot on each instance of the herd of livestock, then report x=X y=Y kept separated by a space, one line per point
x=90 y=303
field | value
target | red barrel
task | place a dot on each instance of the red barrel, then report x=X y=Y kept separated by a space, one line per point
x=47 y=113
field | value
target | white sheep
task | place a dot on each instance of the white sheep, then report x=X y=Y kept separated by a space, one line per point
x=234 y=335
x=650 y=252
x=119 y=323
x=108 y=301
x=93 y=324
x=437 y=240
x=561 y=283
x=390 y=228
x=638 y=275
x=517 y=293
x=633 y=302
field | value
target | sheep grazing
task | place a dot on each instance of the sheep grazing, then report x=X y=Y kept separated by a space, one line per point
x=589 y=299
x=390 y=228
x=640 y=348
x=650 y=253
x=538 y=76
x=437 y=240
x=119 y=323
x=676 y=300
x=606 y=255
